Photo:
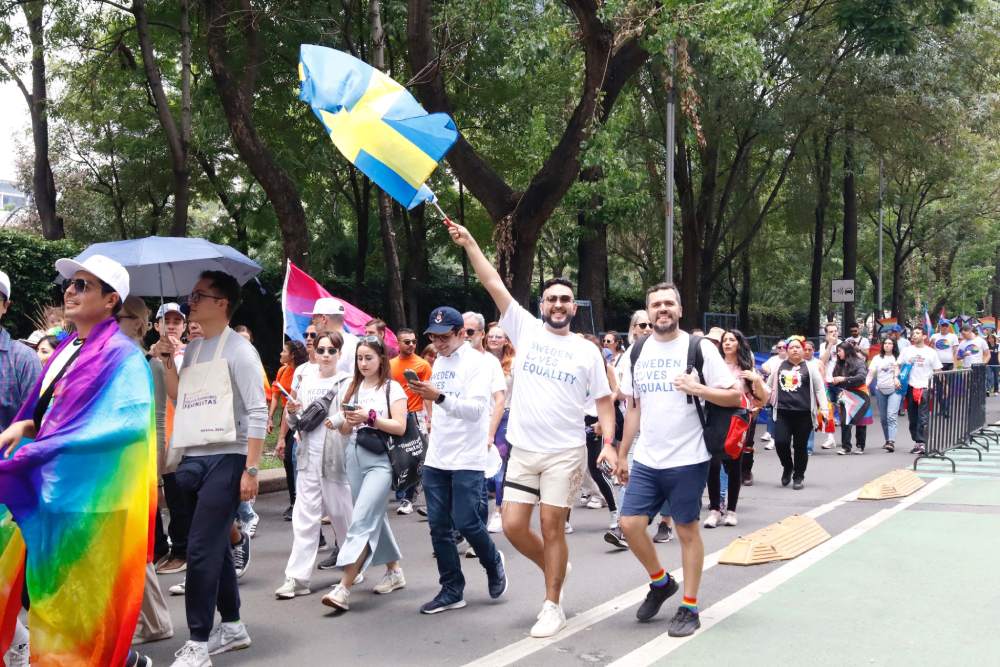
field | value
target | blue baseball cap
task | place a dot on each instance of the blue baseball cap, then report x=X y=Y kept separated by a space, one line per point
x=444 y=319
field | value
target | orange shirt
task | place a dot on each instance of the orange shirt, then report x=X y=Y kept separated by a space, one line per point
x=284 y=378
x=423 y=370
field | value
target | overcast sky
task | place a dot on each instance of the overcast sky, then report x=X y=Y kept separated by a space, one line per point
x=14 y=122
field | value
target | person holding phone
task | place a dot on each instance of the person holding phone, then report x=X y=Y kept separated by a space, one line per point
x=408 y=364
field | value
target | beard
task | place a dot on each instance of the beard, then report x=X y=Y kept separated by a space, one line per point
x=668 y=328
x=547 y=319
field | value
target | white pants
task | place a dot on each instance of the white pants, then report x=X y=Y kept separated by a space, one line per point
x=314 y=498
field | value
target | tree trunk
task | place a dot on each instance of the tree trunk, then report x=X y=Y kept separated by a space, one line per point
x=823 y=173
x=237 y=104
x=995 y=291
x=592 y=251
x=850 y=220
x=690 y=243
x=744 y=311
x=417 y=269
x=361 y=188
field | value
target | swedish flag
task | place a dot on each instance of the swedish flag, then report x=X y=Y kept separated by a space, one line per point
x=375 y=122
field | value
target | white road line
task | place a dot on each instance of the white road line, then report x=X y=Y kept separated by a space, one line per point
x=520 y=650
x=664 y=645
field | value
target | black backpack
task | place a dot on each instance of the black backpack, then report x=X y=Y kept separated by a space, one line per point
x=715 y=420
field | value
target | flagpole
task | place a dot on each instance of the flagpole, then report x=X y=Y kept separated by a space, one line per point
x=444 y=215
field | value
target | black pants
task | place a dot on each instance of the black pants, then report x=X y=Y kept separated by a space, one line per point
x=917 y=414
x=212 y=486
x=594 y=446
x=791 y=434
x=289 y=465
x=845 y=436
x=746 y=461
x=160 y=545
x=734 y=470
x=180 y=516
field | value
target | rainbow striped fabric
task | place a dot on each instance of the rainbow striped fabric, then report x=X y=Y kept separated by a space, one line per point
x=82 y=496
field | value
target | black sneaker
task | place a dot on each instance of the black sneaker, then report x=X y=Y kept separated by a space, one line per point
x=439 y=604
x=655 y=598
x=322 y=540
x=786 y=477
x=684 y=623
x=498 y=582
x=422 y=510
x=241 y=555
x=287 y=516
x=798 y=484
x=330 y=562
x=664 y=533
x=615 y=538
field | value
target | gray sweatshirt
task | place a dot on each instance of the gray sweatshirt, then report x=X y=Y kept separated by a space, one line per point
x=249 y=401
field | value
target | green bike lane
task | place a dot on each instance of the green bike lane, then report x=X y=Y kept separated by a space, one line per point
x=917 y=587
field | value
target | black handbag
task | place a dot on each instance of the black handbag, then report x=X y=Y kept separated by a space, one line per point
x=372 y=440
x=314 y=415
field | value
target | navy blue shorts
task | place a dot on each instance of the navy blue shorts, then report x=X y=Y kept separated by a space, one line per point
x=681 y=487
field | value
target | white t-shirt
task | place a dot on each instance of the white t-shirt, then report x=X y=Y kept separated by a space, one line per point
x=944 y=346
x=554 y=375
x=831 y=362
x=902 y=343
x=312 y=388
x=670 y=433
x=885 y=373
x=347 y=353
x=771 y=365
x=462 y=421
x=925 y=361
x=861 y=343
x=373 y=398
x=300 y=373
x=970 y=352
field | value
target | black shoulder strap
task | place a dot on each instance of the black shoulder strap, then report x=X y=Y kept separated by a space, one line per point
x=696 y=361
x=633 y=356
x=43 y=401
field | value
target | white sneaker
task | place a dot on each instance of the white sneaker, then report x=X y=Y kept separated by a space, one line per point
x=613 y=521
x=769 y=445
x=730 y=519
x=405 y=507
x=595 y=503
x=496 y=523
x=713 y=519
x=470 y=552
x=251 y=526
x=17 y=655
x=766 y=437
x=192 y=654
x=227 y=637
x=178 y=589
x=338 y=598
x=391 y=581
x=569 y=528
x=290 y=589
x=830 y=442
x=550 y=620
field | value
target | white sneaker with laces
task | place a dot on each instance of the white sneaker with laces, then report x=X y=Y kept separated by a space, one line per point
x=569 y=528
x=251 y=527
x=178 y=589
x=338 y=598
x=405 y=507
x=595 y=503
x=730 y=519
x=496 y=523
x=227 y=637
x=713 y=519
x=613 y=521
x=830 y=442
x=391 y=581
x=17 y=655
x=192 y=654
x=550 y=620
x=290 y=589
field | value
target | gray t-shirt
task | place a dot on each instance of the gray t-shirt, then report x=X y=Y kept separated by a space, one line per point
x=249 y=401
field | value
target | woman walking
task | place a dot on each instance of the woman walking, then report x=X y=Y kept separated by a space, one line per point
x=499 y=345
x=321 y=480
x=293 y=354
x=993 y=365
x=374 y=407
x=799 y=395
x=739 y=358
x=884 y=370
x=849 y=373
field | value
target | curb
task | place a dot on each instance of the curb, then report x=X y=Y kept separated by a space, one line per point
x=272 y=481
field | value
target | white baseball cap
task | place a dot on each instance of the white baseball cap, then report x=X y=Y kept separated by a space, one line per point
x=105 y=268
x=327 y=306
x=4 y=285
x=170 y=308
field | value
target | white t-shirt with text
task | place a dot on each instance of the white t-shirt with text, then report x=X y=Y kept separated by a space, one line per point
x=944 y=345
x=924 y=360
x=970 y=352
x=461 y=422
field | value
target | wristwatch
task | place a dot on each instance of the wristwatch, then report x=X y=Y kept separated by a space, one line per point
x=252 y=471
x=439 y=400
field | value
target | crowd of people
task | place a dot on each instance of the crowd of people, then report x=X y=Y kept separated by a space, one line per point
x=637 y=431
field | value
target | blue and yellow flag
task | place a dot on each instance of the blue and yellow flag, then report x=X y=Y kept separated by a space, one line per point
x=375 y=122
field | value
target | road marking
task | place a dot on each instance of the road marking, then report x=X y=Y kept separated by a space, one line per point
x=664 y=645
x=523 y=648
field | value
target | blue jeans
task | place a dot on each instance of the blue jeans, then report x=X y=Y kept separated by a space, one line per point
x=888 y=412
x=454 y=499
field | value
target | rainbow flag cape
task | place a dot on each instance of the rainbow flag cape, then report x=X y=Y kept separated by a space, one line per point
x=375 y=122
x=82 y=495
x=298 y=295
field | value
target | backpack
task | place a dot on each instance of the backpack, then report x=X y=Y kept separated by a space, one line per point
x=724 y=428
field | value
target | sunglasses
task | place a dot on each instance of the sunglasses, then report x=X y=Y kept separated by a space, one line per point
x=370 y=340
x=559 y=298
x=495 y=337
x=643 y=325
x=404 y=341
x=310 y=334
x=79 y=285
x=327 y=350
x=471 y=332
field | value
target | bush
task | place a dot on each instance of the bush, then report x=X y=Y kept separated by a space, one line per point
x=29 y=261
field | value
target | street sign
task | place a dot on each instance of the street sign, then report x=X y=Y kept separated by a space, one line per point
x=842 y=291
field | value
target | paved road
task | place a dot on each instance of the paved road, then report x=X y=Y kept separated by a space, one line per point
x=606 y=585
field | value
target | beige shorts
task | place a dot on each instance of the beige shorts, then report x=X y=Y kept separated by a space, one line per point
x=552 y=479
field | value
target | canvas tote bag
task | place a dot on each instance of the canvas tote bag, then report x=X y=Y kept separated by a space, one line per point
x=204 y=410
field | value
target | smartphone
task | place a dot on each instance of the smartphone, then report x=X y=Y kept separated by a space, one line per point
x=350 y=407
x=411 y=375
x=606 y=468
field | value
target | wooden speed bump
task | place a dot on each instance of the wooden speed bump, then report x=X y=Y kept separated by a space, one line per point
x=784 y=540
x=895 y=484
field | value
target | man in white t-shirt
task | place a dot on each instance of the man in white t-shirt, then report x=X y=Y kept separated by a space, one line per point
x=671 y=458
x=555 y=373
x=827 y=360
x=328 y=315
x=456 y=460
x=923 y=361
x=861 y=343
x=945 y=343
x=972 y=350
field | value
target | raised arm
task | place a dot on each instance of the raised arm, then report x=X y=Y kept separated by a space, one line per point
x=487 y=274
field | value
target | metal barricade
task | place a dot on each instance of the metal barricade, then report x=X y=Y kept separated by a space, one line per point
x=956 y=414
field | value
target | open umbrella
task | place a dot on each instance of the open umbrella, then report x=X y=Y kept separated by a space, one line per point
x=170 y=266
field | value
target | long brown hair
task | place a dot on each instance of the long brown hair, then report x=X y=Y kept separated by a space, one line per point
x=378 y=347
x=506 y=352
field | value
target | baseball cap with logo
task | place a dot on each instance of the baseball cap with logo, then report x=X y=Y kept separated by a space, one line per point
x=327 y=305
x=170 y=308
x=444 y=319
x=4 y=285
x=105 y=268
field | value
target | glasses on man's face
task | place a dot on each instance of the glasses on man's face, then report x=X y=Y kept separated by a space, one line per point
x=643 y=325
x=558 y=298
x=310 y=334
x=327 y=350
x=79 y=285
x=198 y=295
x=471 y=332
x=407 y=341
x=125 y=317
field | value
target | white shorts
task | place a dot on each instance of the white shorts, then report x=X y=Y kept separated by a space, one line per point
x=551 y=479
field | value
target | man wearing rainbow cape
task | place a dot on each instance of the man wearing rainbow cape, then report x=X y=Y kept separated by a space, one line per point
x=77 y=473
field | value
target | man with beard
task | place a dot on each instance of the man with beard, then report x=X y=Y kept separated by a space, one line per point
x=555 y=373
x=671 y=460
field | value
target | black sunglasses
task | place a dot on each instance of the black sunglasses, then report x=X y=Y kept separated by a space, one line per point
x=327 y=350
x=560 y=298
x=470 y=332
x=643 y=325
x=310 y=334
x=79 y=285
x=405 y=341
x=371 y=340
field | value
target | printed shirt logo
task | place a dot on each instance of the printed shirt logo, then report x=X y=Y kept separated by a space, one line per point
x=941 y=344
x=790 y=379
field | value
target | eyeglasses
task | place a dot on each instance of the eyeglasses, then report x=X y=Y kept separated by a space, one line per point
x=495 y=337
x=643 y=325
x=471 y=332
x=310 y=334
x=370 y=340
x=199 y=295
x=125 y=317
x=559 y=298
x=79 y=285
x=406 y=341
x=609 y=341
x=327 y=350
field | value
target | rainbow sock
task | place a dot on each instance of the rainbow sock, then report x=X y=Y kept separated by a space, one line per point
x=659 y=579
x=690 y=603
